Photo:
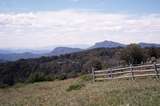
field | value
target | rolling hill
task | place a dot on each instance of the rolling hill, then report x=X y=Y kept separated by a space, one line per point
x=64 y=50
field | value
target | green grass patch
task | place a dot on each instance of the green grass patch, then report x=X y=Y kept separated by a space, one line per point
x=76 y=86
x=86 y=78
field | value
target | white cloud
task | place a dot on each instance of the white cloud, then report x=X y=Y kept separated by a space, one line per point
x=40 y=29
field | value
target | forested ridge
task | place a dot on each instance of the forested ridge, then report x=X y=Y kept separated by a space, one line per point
x=74 y=64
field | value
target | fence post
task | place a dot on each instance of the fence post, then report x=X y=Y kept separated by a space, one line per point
x=111 y=73
x=156 y=71
x=93 y=74
x=131 y=69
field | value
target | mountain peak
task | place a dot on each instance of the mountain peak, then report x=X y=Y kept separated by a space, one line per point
x=108 y=44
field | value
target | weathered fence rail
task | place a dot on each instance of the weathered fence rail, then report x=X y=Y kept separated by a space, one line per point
x=130 y=72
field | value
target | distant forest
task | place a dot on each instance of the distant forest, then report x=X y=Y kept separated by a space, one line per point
x=74 y=64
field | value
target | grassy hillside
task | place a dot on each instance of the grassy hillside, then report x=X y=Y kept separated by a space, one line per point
x=141 y=92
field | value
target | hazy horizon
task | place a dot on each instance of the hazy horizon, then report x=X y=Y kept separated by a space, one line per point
x=52 y=47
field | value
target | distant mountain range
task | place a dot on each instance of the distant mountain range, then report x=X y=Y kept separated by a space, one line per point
x=64 y=50
x=9 y=55
x=111 y=44
x=149 y=45
x=5 y=51
x=1 y=61
x=16 y=56
x=19 y=51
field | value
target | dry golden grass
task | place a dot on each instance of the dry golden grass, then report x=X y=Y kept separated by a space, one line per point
x=141 y=92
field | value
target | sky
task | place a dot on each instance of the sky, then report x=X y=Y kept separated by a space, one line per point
x=44 y=23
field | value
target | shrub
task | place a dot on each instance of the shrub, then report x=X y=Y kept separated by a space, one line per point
x=86 y=78
x=97 y=64
x=50 y=77
x=36 y=77
x=61 y=77
x=133 y=54
x=75 y=87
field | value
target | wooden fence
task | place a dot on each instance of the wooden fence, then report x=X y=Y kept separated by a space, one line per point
x=130 y=72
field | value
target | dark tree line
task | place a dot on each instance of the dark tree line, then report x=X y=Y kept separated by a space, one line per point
x=73 y=65
x=134 y=54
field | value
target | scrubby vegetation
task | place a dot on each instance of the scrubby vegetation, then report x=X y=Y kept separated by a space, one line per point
x=86 y=78
x=76 y=86
x=39 y=77
x=73 y=65
x=134 y=54
x=72 y=92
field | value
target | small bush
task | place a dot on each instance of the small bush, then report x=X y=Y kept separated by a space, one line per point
x=50 y=77
x=61 y=77
x=86 y=78
x=39 y=76
x=75 y=87
x=36 y=77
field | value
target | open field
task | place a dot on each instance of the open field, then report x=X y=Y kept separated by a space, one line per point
x=141 y=92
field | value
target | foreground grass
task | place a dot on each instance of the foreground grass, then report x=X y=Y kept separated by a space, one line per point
x=141 y=92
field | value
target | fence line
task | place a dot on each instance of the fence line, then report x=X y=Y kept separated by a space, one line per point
x=127 y=72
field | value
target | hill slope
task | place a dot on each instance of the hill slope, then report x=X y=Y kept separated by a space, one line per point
x=58 y=67
x=61 y=67
x=144 y=92
x=64 y=50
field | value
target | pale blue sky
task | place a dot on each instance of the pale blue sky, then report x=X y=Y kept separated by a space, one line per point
x=135 y=6
x=42 y=23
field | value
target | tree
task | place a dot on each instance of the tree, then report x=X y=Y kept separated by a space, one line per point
x=153 y=52
x=97 y=64
x=133 y=54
